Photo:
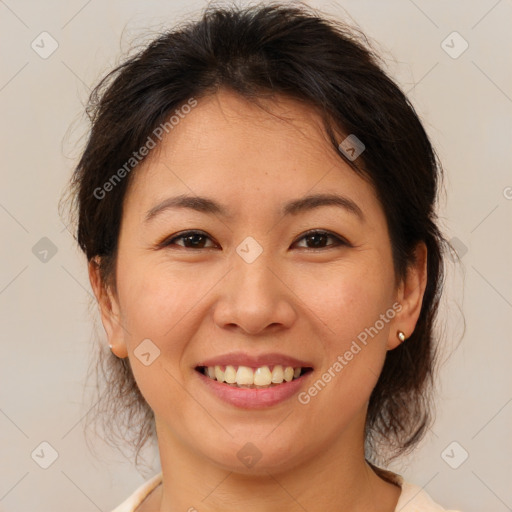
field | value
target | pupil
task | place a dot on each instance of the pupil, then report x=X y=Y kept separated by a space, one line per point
x=315 y=237
x=194 y=239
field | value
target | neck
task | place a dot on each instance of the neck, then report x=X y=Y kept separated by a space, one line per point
x=336 y=479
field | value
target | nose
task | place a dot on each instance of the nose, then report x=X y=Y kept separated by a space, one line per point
x=255 y=297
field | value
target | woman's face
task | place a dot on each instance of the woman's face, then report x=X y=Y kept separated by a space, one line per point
x=253 y=288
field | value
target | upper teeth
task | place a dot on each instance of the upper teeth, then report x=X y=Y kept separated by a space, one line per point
x=244 y=376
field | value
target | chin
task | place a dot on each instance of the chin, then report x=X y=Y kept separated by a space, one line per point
x=256 y=456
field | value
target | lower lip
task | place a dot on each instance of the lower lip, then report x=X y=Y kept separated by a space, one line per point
x=250 y=398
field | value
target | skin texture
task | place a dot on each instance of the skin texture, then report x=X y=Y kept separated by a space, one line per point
x=295 y=299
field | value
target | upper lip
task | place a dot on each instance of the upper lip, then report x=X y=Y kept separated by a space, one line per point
x=254 y=361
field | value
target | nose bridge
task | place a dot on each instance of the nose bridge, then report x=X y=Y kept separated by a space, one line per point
x=252 y=274
x=254 y=297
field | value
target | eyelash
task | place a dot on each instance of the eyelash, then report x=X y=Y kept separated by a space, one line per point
x=339 y=241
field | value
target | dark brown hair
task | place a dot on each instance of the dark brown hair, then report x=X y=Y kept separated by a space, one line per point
x=262 y=51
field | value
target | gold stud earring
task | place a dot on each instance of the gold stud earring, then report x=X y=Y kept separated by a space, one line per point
x=401 y=336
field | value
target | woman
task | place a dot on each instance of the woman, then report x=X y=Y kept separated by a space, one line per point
x=256 y=204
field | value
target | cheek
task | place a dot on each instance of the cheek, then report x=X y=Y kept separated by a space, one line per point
x=157 y=305
x=348 y=297
x=354 y=339
x=354 y=305
x=156 y=299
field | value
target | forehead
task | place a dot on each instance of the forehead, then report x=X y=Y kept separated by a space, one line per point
x=235 y=150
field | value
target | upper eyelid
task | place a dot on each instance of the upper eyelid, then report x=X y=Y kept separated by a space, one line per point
x=339 y=238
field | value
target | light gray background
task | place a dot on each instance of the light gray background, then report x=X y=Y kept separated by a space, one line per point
x=47 y=328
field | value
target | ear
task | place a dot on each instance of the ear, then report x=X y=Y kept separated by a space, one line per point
x=410 y=296
x=109 y=310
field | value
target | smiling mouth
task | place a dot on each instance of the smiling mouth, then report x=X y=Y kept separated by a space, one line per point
x=253 y=378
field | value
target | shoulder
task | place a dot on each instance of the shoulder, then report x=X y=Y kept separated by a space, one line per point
x=138 y=496
x=412 y=497
x=415 y=499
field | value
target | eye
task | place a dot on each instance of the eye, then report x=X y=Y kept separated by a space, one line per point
x=197 y=240
x=191 y=240
x=317 y=238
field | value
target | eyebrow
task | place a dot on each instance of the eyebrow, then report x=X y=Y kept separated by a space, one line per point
x=211 y=207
